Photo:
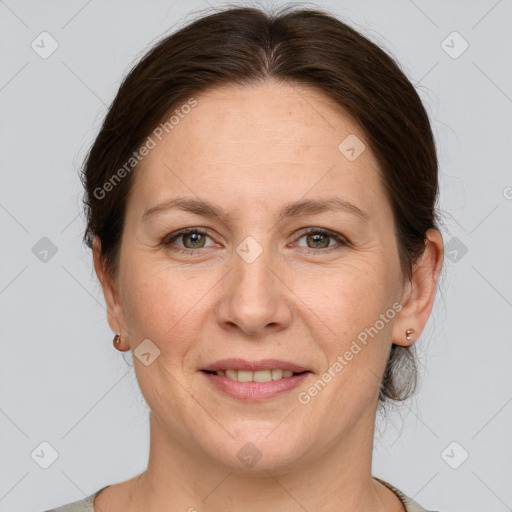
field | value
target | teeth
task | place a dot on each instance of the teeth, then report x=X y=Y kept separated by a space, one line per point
x=277 y=374
x=258 y=376
x=231 y=374
x=245 y=376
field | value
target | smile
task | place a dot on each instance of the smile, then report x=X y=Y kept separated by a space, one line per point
x=254 y=386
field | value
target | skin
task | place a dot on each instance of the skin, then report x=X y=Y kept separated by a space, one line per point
x=251 y=150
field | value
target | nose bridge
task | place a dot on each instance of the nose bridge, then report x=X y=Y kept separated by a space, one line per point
x=250 y=265
x=254 y=299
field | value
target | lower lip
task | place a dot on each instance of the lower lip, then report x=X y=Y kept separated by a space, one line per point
x=254 y=391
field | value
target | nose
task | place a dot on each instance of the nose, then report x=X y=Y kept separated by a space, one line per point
x=255 y=297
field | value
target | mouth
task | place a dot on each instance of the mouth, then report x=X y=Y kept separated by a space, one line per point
x=254 y=381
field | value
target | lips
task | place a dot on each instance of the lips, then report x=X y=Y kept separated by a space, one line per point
x=249 y=380
x=254 y=391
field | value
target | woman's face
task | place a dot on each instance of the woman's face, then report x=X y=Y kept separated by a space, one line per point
x=254 y=286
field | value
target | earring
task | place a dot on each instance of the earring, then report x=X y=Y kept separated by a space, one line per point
x=117 y=341
x=408 y=334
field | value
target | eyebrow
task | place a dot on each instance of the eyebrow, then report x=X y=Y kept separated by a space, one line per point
x=295 y=209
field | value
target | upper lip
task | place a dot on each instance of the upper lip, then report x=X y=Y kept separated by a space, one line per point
x=262 y=364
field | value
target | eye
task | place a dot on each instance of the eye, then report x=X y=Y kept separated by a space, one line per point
x=318 y=239
x=192 y=239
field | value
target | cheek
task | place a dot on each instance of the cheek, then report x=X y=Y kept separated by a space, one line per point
x=347 y=298
x=357 y=307
x=162 y=305
x=350 y=313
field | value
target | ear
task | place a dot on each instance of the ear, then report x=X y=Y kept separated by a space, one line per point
x=419 y=292
x=115 y=313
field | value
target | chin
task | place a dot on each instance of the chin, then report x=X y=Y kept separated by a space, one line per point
x=260 y=448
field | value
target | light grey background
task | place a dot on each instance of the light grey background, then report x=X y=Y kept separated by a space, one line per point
x=62 y=382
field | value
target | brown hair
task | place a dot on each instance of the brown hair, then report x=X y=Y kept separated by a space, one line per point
x=297 y=46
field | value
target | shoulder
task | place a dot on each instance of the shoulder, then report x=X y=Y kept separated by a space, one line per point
x=85 y=505
x=409 y=504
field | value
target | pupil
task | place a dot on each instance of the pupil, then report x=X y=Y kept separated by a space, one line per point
x=195 y=238
x=317 y=238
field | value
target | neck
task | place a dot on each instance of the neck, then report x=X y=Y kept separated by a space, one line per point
x=339 y=479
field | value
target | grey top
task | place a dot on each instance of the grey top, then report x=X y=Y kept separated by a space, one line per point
x=86 y=505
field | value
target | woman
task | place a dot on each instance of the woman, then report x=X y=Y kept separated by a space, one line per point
x=260 y=205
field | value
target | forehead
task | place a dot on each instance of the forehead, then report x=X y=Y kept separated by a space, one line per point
x=251 y=140
x=280 y=117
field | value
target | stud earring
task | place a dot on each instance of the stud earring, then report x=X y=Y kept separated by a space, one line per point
x=117 y=341
x=408 y=334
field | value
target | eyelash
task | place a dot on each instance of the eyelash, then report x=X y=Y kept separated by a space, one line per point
x=167 y=242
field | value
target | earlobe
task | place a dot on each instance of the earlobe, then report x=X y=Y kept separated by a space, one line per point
x=419 y=292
